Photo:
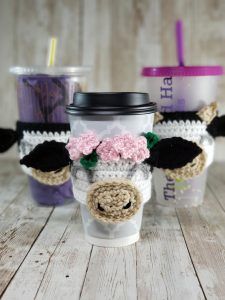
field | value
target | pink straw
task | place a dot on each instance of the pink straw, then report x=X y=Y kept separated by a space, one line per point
x=179 y=42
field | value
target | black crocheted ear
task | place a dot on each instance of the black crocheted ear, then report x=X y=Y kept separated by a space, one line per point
x=217 y=127
x=173 y=153
x=46 y=157
x=7 y=138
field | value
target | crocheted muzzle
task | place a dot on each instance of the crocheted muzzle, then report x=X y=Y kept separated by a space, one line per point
x=113 y=201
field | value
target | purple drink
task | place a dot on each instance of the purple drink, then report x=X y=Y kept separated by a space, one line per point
x=51 y=195
x=42 y=95
x=42 y=98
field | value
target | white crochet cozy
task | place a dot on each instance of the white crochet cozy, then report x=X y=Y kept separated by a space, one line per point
x=32 y=138
x=139 y=174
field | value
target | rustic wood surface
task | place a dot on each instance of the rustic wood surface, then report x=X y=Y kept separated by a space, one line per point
x=116 y=37
x=43 y=254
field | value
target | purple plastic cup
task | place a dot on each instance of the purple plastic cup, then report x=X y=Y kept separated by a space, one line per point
x=42 y=94
x=182 y=88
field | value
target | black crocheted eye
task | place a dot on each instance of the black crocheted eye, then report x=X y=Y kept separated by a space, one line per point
x=100 y=208
x=128 y=205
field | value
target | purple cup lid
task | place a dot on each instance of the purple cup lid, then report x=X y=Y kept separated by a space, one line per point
x=52 y=71
x=182 y=71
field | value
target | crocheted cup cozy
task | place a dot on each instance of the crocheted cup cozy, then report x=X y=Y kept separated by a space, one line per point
x=185 y=187
x=138 y=174
x=194 y=131
x=32 y=134
x=200 y=127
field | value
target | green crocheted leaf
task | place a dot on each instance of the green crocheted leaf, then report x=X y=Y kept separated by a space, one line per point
x=152 y=139
x=89 y=161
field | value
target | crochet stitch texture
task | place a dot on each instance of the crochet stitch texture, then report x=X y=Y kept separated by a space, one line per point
x=113 y=201
x=53 y=177
x=124 y=146
x=139 y=174
x=192 y=169
x=192 y=126
x=32 y=138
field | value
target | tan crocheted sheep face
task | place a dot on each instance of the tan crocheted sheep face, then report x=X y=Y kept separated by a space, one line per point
x=113 y=201
x=53 y=177
x=190 y=170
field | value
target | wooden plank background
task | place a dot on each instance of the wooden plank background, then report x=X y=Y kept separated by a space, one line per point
x=116 y=37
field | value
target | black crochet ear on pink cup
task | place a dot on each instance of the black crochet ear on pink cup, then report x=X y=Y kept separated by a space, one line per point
x=178 y=157
x=217 y=127
x=172 y=153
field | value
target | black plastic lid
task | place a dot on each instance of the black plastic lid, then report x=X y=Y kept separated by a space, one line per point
x=123 y=103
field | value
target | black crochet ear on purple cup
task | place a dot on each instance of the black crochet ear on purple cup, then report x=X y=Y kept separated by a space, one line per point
x=47 y=157
x=173 y=153
x=217 y=127
x=7 y=138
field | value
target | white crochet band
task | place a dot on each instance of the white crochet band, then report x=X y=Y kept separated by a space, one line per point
x=32 y=138
x=194 y=131
x=139 y=174
x=189 y=130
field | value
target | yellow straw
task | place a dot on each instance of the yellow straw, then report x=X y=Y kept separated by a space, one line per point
x=52 y=51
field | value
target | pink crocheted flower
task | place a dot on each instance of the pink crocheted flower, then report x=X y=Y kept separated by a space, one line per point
x=106 y=150
x=72 y=149
x=87 y=142
x=125 y=145
x=142 y=151
x=84 y=144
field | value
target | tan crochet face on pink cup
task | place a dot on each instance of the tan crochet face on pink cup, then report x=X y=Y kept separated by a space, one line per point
x=113 y=201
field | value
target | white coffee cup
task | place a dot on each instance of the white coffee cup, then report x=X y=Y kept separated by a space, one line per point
x=108 y=115
x=111 y=235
